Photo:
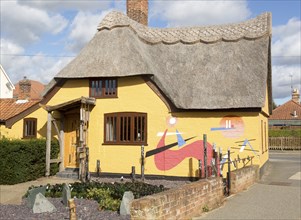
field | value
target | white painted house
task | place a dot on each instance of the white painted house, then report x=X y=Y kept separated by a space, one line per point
x=6 y=86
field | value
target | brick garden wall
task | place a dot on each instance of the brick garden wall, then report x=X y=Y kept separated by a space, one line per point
x=180 y=203
x=243 y=178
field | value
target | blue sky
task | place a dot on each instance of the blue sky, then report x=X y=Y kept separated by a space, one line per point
x=38 y=38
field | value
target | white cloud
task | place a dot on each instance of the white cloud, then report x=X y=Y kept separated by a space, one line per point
x=286 y=58
x=282 y=80
x=36 y=67
x=8 y=47
x=83 y=28
x=60 y=5
x=24 y=25
x=286 y=48
x=190 y=13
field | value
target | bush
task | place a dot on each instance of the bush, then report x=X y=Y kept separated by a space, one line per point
x=24 y=160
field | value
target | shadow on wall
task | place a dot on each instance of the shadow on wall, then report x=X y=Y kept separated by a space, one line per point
x=193 y=173
x=43 y=132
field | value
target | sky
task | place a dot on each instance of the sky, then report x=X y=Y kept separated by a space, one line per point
x=40 y=37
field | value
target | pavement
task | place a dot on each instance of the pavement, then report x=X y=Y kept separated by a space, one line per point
x=12 y=194
x=276 y=196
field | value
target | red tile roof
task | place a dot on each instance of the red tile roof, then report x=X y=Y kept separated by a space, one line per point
x=286 y=111
x=10 y=108
x=36 y=90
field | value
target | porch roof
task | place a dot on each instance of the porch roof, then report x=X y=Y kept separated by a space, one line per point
x=71 y=104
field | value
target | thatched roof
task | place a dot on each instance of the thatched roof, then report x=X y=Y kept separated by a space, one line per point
x=214 y=67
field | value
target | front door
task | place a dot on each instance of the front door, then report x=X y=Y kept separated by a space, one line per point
x=71 y=140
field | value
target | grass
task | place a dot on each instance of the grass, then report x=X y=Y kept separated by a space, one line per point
x=285 y=133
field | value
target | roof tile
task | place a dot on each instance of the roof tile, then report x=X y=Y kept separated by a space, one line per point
x=10 y=108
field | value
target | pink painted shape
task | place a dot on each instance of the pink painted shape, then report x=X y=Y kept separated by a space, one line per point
x=169 y=159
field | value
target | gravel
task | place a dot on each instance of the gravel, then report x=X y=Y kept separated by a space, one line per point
x=85 y=209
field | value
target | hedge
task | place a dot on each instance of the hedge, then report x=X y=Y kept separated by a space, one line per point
x=285 y=133
x=24 y=160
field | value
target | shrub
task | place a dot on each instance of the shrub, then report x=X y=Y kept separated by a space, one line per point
x=24 y=160
x=104 y=198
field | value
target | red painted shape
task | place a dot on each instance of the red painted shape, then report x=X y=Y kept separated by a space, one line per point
x=169 y=159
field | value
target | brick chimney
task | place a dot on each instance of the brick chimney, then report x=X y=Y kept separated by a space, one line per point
x=24 y=89
x=137 y=10
x=296 y=96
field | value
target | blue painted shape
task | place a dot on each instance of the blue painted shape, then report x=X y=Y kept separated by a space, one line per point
x=220 y=129
x=181 y=141
x=248 y=142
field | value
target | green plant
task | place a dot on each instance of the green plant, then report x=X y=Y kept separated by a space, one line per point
x=104 y=199
x=24 y=160
x=205 y=208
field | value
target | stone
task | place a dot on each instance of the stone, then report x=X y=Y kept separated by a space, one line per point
x=66 y=194
x=33 y=193
x=125 y=205
x=41 y=204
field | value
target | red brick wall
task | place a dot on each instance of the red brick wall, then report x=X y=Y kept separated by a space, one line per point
x=243 y=178
x=180 y=203
x=138 y=10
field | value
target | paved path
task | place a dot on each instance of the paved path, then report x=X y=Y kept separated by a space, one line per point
x=276 y=196
x=12 y=194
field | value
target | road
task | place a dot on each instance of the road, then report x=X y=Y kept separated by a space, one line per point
x=276 y=196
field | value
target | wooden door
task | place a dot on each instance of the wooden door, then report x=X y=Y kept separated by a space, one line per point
x=71 y=140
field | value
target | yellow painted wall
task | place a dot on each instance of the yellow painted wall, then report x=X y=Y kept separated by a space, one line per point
x=134 y=95
x=16 y=131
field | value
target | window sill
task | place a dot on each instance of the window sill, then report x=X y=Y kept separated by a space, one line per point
x=125 y=144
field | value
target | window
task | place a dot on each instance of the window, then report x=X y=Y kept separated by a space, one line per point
x=103 y=88
x=129 y=128
x=262 y=137
x=30 y=128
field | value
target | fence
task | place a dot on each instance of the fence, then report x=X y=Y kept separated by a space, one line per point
x=284 y=143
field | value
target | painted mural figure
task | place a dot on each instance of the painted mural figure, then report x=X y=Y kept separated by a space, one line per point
x=166 y=158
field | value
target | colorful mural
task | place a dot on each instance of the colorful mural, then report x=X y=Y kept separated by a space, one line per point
x=231 y=126
x=166 y=159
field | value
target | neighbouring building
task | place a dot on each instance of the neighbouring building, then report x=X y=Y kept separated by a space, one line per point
x=23 y=101
x=28 y=89
x=6 y=86
x=134 y=87
x=287 y=114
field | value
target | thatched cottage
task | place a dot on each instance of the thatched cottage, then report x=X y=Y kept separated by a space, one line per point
x=162 y=88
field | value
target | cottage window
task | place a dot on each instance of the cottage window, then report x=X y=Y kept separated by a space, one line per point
x=125 y=128
x=103 y=88
x=30 y=128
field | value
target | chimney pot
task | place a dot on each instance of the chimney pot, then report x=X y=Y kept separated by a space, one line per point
x=296 y=96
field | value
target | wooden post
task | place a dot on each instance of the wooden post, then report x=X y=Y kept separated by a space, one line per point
x=133 y=174
x=48 y=144
x=72 y=209
x=98 y=167
x=229 y=172
x=81 y=147
x=142 y=162
x=205 y=155
x=62 y=144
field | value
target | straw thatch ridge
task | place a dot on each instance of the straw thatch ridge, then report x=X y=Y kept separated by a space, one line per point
x=219 y=75
x=251 y=29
